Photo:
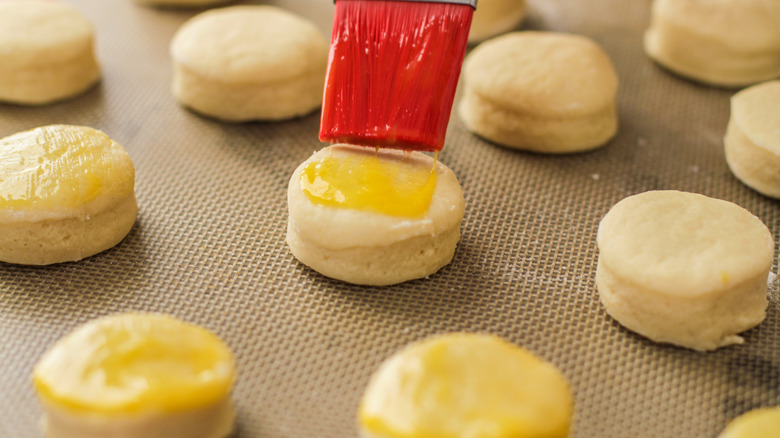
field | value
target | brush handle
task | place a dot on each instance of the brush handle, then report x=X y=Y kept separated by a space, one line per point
x=472 y=3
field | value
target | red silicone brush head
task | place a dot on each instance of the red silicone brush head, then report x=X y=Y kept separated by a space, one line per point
x=392 y=72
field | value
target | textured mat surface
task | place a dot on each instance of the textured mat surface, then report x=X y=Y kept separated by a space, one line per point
x=209 y=247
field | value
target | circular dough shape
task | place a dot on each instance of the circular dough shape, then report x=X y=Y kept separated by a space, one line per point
x=753 y=138
x=683 y=268
x=462 y=386
x=727 y=43
x=370 y=248
x=182 y=3
x=540 y=91
x=137 y=375
x=46 y=52
x=249 y=63
x=494 y=17
x=758 y=423
x=66 y=193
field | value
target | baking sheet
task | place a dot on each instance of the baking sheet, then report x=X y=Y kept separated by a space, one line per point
x=209 y=247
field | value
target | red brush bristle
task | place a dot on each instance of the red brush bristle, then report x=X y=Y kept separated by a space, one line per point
x=392 y=72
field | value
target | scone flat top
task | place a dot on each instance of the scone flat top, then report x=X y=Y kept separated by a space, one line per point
x=743 y=25
x=683 y=244
x=38 y=32
x=756 y=110
x=335 y=227
x=249 y=44
x=47 y=172
x=463 y=386
x=543 y=73
x=134 y=363
x=758 y=423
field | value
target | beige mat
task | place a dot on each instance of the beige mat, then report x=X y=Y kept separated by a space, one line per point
x=209 y=247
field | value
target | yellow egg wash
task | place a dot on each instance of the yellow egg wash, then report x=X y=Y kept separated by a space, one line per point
x=134 y=363
x=386 y=184
x=58 y=166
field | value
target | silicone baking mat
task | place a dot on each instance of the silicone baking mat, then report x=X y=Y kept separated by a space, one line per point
x=209 y=247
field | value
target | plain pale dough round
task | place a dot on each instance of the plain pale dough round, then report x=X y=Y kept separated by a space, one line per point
x=683 y=268
x=753 y=138
x=494 y=17
x=182 y=3
x=540 y=91
x=758 y=423
x=463 y=386
x=61 y=227
x=249 y=63
x=727 y=43
x=46 y=52
x=364 y=247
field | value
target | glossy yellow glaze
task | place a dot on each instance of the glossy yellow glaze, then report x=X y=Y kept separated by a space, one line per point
x=466 y=386
x=61 y=166
x=135 y=363
x=759 y=423
x=380 y=183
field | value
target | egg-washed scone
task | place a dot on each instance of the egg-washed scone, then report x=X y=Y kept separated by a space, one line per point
x=182 y=3
x=137 y=375
x=46 y=52
x=540 y=91
x=246 y=63
x=373 y=217
x=494 y=17
x=728 y=43
x=683 y=268
x=66 y=193
x=758 y=423
x=753 y=138
x=466 y=386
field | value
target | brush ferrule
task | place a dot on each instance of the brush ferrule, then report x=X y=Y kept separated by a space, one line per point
x=472 y=3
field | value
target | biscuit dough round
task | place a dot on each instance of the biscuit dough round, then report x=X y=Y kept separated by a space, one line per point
x=182 y=3
x=46 y=52
x=758 y=423
x=370 y=248
x=494 y=17
x=540 y=91
x=753 y=138
x=245 y=63
x=728 y=43
x=684 y=269
x=137 y=375
x=466 y=385
x=66 y=193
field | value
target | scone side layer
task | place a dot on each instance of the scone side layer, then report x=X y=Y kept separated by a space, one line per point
x=41 y=85
x=702 y=323
x=531 y=132
x=338 y=228
x=50 y=241
x=755 y=166
x=756 y=111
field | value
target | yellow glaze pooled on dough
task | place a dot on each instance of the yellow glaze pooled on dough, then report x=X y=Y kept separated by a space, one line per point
x=61 y=166
x=466 y=386
x=759 y=423
x=371 y=182
x=135 y=363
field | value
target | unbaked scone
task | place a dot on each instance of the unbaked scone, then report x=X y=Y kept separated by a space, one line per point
x=66 y=192
x=494 y=17
x=182 y=3
x=683 y=268
x=725 y=42
x=373 y=217
x=249 y=63
x=466 y=386
x=753 y=138
x=46 y=52
x=137 y=376
x=540 y=91
x=758 y=423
